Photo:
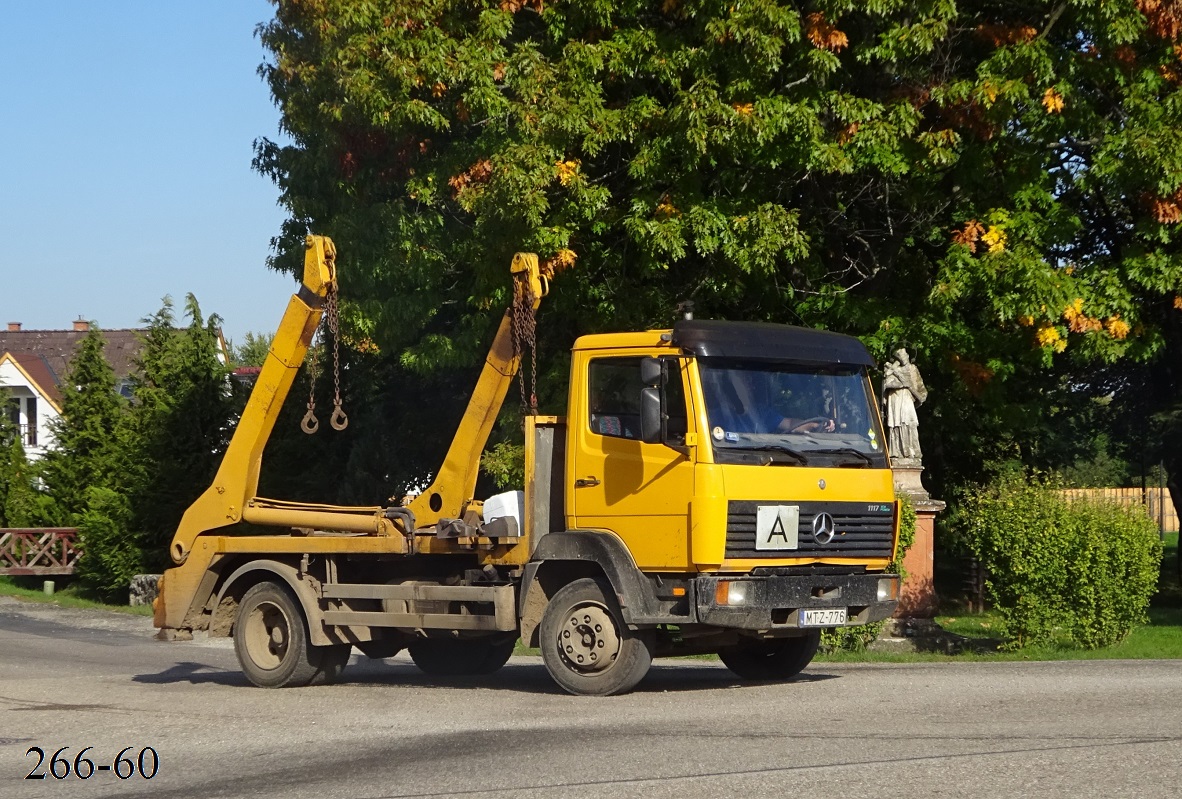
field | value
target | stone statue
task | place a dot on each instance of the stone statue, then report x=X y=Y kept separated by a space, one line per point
x=903 y=389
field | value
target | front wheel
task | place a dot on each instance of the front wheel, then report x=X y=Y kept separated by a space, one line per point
x=772 y=658
x=585 y=644
x=271 y=641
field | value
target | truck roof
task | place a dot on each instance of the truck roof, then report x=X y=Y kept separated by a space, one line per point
x=765 y=341
x=769 y=342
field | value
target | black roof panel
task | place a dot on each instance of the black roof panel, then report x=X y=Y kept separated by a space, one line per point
x=768 y=342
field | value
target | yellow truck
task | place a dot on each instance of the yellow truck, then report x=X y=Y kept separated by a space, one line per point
x=718 y=487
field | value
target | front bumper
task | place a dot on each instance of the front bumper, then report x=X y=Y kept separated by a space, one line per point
x=775 y=602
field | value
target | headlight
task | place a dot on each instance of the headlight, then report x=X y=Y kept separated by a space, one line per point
x=888 y=588
x=731 y=592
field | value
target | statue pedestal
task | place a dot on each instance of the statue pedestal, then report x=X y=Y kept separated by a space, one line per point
x=917 y=597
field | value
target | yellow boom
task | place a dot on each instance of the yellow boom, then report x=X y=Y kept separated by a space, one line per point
x=231 y=498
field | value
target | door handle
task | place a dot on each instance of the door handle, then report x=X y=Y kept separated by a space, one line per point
x=586 y=482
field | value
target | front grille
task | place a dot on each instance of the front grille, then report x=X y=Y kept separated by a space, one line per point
x=861 y=530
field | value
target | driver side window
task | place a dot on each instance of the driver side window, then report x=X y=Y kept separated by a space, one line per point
x=613 y=391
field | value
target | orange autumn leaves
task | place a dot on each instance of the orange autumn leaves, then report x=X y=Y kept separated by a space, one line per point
x=823 y=34
x=975 y=233
x=1052 y=101
x=1167 y=210
x=1164 y=17
x=1050 y=335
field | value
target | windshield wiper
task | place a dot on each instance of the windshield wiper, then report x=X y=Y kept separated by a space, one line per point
x=845 y=451
x=797 y=454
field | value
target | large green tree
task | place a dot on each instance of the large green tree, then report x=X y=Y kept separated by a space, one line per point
x=997 y=186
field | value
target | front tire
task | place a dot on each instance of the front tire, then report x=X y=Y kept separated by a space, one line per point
x=773 y=658
x=271 y=641
x=585 y=644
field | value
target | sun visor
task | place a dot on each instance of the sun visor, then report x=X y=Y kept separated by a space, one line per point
x=765 y=341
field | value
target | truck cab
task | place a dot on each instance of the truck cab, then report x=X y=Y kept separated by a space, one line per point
x=741 y=417
x=741 y=469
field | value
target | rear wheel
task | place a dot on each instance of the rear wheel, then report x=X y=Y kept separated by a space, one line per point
x=271 y=641
x=585 y=644
x=451 y=657
x=773 y=658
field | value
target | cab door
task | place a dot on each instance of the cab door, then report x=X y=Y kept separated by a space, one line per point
x=639 y=491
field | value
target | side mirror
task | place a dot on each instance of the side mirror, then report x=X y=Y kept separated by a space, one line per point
x=650 y=415
x=651 y=372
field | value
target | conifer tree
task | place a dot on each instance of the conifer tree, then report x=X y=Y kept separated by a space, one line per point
x=177 y=428
x=85 y=452
x=18 y=498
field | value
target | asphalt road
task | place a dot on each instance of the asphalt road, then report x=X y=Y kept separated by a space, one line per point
x=87 y=678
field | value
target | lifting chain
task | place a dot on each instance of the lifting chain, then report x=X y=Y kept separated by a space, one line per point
x=525 y=331
x=338 y=420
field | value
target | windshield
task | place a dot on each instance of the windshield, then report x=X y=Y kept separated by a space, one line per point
x=764 y=412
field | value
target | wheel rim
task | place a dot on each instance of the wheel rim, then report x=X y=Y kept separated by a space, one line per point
x=588 y=640
x=268 y=635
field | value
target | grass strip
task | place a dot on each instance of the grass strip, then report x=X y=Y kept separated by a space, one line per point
x=67 y=597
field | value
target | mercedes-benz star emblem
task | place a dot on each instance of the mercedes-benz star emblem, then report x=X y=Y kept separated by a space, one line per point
x=823 y=528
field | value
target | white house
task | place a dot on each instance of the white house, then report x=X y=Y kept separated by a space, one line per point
x=32 y=399
x=33 y=363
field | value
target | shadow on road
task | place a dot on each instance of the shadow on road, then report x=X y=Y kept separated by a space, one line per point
x=531 y=677
x=190 y=672
x=521 y=677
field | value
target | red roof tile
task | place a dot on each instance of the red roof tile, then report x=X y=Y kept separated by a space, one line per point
x=38 y=370
x=56 y=348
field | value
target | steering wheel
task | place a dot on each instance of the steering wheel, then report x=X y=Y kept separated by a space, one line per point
x=801 y=424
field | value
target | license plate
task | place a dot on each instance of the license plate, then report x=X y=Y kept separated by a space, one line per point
x=826 y=617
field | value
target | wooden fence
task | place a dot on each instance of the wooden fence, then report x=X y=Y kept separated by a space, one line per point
x=1157 y=501
x=38 y=550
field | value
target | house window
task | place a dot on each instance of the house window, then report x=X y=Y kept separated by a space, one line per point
x=31 y=420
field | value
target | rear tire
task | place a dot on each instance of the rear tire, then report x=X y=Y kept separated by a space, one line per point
x=451 y=657
x=771 y=659
x=585 y=644
x=271 y=641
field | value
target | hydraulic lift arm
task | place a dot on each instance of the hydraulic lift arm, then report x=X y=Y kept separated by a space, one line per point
x=455 y=482
x=231 y=498
x=237 y=478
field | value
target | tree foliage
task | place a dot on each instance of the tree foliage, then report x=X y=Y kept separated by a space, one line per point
x=124 y=472
x=996 y=186
x=110 y=557
x=19 y=505
x=85 y=434
x=253 y=350
x=177 y=428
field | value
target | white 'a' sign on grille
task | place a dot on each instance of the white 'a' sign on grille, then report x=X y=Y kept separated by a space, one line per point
x=776 y=526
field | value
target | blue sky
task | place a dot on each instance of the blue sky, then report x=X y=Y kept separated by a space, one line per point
x=125 y=138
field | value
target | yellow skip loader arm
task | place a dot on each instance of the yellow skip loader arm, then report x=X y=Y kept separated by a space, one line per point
x=455 y=483
x=231 y=498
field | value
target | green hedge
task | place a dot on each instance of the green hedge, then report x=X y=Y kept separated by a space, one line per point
x=110 y=557
x=1077 y=573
